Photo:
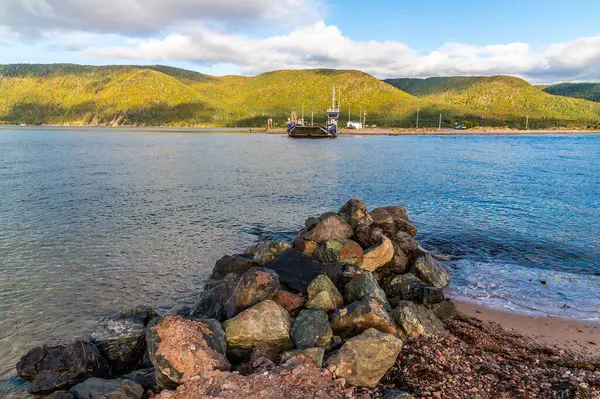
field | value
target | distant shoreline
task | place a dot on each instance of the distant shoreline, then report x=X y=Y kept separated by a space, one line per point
x=481 y=131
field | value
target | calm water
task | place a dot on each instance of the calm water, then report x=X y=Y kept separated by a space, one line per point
x=91 y=220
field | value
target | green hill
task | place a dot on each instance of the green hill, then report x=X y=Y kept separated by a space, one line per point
x=160 y=95
x=500 y=100
x=587 y=91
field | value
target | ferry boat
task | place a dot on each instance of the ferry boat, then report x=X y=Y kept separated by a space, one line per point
x=297 y=129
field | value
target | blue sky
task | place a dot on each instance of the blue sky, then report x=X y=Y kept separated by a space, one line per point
x=541 y=41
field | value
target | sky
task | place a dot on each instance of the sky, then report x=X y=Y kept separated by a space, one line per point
x=541 y=41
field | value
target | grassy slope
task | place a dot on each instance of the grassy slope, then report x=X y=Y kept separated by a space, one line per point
x=587 y=91
x=500 y=97
x=159 y=95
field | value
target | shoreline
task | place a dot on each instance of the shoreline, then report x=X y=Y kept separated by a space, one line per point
x=481 y=131
x=581 y=337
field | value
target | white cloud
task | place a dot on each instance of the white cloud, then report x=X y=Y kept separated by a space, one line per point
x=32 y=17
x=230 y=33
x=321 y=45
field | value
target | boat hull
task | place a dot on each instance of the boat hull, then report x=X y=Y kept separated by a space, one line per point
x=310 y=132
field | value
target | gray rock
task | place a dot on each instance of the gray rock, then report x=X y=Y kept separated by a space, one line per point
x=430 y=295
x=208 y=305
x=407 y=320
x=53 y=368
x=427 y=269
x=367 y=235
x=432 y=325
x=365 y=285
x=97 y=388
x=314 y=354
x=311 y=329
x=444 y=310
x=145 y=377
x=391 y=221
x=121 y=341
x=297 y=270
x=406 y=242
x=355 y=213
x=406 y=286
x=237 y=264
x=311 y=223
x=254 y=286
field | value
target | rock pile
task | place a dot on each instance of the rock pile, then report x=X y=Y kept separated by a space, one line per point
x=346 y=295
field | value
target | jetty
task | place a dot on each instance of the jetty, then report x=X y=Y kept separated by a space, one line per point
x=352 y=307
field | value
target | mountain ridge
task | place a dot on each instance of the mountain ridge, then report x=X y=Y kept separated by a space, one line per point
x=158 y=95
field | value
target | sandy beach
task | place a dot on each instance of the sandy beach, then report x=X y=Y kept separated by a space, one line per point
x=578 y=336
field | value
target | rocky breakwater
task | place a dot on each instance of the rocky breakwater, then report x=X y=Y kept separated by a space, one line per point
x=352 y=308
x=322 y=316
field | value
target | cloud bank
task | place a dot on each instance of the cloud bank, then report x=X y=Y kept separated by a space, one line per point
x=228 y=32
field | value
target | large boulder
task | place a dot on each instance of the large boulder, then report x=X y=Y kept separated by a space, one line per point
x=398 y=264
x=237 y=264
x=405 y=242
x=266 y=323
x=364 y=359
x=378 y=255
x=407 y=320
x=313 y=354
x=208 y=305
x=180 y=348
x=367 y=235
x=266 y=251
x=311 y=329
x=97 y=388
x=406 y=286
x=331 y=227
x=360 y=316
x=354 y=212
x=121 y=341
x=428 y=269
x=342 y=250
x=52 y=368
x=307 y=247
x=391 y=220
x=394 y=211
x=296 y=270
x=254 y=286
x=444 y=310
x=364 y=285
x=323 y=294
x=431 y=324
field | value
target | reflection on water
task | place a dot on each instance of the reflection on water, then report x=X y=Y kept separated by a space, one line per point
x=97 y=219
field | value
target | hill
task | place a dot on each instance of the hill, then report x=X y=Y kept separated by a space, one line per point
x=160 y=95
x=500 y=100
x=587 y=91
x=70 y=94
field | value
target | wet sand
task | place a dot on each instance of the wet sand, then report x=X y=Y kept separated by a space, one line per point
x=578 y=336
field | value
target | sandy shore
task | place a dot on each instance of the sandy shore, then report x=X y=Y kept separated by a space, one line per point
x=579 y=336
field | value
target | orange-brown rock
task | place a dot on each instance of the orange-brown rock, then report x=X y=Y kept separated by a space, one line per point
x=378 y=255
x=307 y=247
x=360 y=316
x=180 y=348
